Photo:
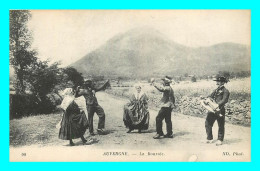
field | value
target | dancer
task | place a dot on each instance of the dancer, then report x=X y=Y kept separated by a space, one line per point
x=74 y=121
x=136 y=114
x=167 y=104
x=93 y=107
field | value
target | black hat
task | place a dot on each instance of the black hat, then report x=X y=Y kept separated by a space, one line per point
x=167 y=79
x=221 y=79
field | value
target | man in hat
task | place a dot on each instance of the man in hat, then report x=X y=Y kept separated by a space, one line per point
x=167 y=104
x=92 y=105
x=220 y=96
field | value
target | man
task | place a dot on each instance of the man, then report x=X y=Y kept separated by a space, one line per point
x=167 y=104
x=220 y=96
x=92 y=105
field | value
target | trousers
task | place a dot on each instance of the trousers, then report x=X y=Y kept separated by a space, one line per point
x=164 y=113
x=101 y=115
x=211 y=118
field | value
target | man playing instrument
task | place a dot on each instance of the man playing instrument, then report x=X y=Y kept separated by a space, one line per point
x=220 y=96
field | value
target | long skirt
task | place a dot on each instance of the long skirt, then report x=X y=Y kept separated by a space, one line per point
x=136 y=119
x=74 y=123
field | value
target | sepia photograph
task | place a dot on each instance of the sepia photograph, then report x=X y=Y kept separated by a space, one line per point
x=130 y=85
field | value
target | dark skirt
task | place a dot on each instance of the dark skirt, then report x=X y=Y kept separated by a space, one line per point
x=74 y=123
x=136 y=115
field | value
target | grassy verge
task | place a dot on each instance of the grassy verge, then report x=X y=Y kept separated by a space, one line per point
x=34 y=130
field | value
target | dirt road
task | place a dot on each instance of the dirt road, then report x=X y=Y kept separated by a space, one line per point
x=117 y=145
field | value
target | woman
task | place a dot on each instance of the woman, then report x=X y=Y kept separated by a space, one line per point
x=136 y=114
x=74 y=121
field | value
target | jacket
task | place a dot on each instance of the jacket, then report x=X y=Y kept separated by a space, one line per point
x=220 y=96
x=89 y=94
x=168 y=99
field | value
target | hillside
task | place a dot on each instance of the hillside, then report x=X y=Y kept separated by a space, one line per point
x=143 y=52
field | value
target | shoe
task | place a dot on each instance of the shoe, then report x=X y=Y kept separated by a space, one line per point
x=92 y=133
x=129 y=131
x=72 y=144
x=157 y=136
x=209 y=141
x=218 y=143
x=101 y=132
x=168 y=136
x=84 y=140
x=88 y=142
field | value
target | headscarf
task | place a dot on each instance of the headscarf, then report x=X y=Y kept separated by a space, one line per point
x=68 y=98
x=138 y=96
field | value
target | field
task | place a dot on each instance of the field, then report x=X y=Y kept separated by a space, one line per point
x=238 y=88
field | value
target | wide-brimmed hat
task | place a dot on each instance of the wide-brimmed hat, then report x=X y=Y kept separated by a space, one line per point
x=167 y=79
x=221 y=79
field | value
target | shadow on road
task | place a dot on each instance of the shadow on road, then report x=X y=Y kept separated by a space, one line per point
x=181 y=133
x=142 y=132
x=109 y=131
x=232 y=141
x=80 y=143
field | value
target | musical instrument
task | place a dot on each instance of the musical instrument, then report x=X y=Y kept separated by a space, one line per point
x=210 y=105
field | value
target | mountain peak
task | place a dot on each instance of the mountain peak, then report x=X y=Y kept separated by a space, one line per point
x=144 y=52
x=139 y=32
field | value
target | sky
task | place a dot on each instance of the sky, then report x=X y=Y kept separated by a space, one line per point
x=68 y=35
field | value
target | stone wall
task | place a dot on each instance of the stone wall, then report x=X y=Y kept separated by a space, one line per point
x=237 y=111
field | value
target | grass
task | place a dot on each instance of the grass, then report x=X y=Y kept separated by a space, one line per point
x=34 y=130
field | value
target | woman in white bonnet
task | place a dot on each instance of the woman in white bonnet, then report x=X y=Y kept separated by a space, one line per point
x=74 y=121
x=136 y=114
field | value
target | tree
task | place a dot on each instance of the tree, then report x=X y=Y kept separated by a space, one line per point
x=42 y=78
x=20 y=39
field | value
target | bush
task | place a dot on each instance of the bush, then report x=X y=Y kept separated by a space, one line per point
x=22 y=105
x=193 y=79
x=27 y=105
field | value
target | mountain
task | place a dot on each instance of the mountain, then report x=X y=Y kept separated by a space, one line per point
x=145 y=52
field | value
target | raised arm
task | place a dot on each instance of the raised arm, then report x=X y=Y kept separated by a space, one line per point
x=160 y=88
x=103 y=87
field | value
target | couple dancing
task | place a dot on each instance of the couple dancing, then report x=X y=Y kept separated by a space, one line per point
x=74 y=122
x=136 y=113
